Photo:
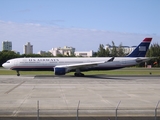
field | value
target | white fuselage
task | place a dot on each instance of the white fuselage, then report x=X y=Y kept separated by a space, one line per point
x=50 y=63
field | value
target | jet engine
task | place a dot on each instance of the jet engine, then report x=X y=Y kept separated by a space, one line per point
x=59 y=71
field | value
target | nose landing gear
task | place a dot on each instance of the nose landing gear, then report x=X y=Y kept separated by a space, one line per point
x=18 y=74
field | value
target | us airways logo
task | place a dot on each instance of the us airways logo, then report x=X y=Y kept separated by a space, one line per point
x=43 y=59
x=142 y=48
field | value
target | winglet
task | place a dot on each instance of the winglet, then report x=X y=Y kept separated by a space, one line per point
x=141 y=49
x=110 y=60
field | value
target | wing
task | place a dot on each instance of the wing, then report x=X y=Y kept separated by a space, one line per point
x=81 y=65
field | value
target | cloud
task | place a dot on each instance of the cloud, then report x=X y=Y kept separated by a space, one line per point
x=47 y=37
x=51 y=22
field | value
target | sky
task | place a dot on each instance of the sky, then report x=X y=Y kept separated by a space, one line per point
x=82 y=24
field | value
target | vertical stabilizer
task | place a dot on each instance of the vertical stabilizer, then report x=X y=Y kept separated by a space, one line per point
x=141 y=49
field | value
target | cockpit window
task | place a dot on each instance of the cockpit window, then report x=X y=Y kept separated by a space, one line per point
x=8 y=62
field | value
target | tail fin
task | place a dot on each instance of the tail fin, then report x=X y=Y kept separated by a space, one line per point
x=141 y=49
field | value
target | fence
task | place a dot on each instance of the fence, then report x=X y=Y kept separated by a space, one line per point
x=114 y=113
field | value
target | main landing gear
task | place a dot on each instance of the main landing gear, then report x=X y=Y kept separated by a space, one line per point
x=18 y=74
x=78 y=73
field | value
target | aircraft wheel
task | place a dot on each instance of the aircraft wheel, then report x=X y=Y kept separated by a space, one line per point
x=78 y=74
x=81 y=74
x=18 y=73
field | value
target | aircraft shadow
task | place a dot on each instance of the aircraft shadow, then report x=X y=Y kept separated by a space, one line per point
x=99 y=76
x=104 y=76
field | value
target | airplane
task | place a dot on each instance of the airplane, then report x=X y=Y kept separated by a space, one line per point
x=63 y=65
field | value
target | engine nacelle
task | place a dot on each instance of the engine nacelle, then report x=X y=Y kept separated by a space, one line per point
x=59 y=71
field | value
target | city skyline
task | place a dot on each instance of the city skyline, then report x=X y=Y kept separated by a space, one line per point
x=28 y=49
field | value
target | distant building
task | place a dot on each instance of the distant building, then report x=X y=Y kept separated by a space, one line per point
x=84 y=53
x=45 y=53
x=126 y=49
x=132 y=48
x=42 y=52
x=28 y=48
x=68 y=51
x=7 y=45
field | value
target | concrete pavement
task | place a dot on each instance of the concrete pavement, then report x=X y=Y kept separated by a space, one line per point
x=59 y=96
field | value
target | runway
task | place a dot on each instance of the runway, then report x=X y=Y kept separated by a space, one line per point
x=96 y=96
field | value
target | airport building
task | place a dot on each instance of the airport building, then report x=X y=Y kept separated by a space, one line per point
x=84 y=53
x=7 y=45
x=28 y=48
x=62 y=51
x=126 y=49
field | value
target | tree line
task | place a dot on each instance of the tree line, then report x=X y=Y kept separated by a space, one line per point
x=154 y=51
x=106 y=52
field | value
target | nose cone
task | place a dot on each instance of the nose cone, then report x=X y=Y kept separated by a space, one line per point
x=5 y=65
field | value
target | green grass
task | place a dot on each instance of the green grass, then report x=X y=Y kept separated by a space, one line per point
x=11 y=72
x=125 y=71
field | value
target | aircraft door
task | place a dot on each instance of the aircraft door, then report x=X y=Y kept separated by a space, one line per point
x=16 y=63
